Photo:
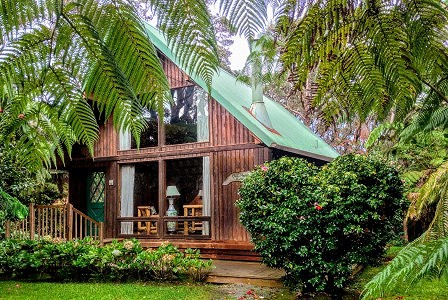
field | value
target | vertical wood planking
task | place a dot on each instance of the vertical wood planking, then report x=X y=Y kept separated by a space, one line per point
x=226 y=129
x=226 y=225
x=107 y=145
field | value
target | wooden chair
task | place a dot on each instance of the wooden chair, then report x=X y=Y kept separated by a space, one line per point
x=192 y=210
x=148 y=227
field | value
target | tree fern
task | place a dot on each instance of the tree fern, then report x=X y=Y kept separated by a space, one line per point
x=61 y=60
x=415 y=261
x=370 y=56
x=249 y=17
x=427 y=255
x=190 y=33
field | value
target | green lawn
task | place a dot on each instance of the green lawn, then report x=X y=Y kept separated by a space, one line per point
x=425 y=290
x=43 y=290
x=435 y=289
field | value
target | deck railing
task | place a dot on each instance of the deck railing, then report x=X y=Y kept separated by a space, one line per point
x=57 y=222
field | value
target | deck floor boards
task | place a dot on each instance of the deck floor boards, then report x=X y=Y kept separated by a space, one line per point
x=254 y=273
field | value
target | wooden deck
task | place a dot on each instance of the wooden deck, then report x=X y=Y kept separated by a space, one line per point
x=253 y=273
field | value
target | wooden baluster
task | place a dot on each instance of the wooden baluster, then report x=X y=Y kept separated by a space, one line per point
x=70 y=221
x=48 y=226
x=51 y=221
x=101 y=233
x=39 y=222
x=61 y=223
x=57 y=221
x=42 y=222
x=8 y=229
x=44 y=228
x=64 y=223
x=30 y=220
x=81 y=229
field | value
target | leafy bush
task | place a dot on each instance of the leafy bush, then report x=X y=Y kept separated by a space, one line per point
x=82 y=260
x=318 y=224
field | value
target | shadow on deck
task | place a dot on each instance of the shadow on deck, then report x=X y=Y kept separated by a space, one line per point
x=253 y=273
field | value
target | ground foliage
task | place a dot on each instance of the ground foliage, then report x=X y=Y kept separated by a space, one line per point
x=83 y=260
x=317 y=224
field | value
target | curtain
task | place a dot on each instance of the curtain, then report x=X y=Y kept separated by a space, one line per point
x=201 y=99
x=206 y=193
x=127 y=197
x=125 y=140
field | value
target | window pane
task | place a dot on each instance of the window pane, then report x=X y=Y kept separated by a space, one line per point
x=146 y=187
x=139 y=197
x=188 y=195
x=149 y=137
x=186 y=119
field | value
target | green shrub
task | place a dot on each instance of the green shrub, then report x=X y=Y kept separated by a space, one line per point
x=318 y=224
x=85 y=259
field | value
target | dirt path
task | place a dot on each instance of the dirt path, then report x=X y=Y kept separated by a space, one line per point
x=245 y=291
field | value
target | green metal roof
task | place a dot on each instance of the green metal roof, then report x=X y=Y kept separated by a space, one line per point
x=289 y=133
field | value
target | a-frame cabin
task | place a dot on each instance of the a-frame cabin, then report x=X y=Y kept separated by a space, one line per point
x=182 y=183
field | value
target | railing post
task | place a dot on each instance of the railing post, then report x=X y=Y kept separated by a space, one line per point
x=101 y=233
x=8 y=229
x=32 y=221
x=70 y=221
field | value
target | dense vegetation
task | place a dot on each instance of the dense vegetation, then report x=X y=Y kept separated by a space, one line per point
x=351 y=67
x=84 y=260
x=319 y=224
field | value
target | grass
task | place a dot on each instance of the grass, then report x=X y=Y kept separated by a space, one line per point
x=10 y=289
x=44 y=290
x=427 y=289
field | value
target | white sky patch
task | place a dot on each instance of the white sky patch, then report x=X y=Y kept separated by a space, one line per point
x=240 y=52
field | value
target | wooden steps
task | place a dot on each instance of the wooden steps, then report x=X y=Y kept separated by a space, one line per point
x=245 y=272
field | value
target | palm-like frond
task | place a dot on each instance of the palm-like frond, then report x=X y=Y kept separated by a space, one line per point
x=189 y=31
x=434 y=191
x=428 y=254
x=415 y=261
x=249 y=17
x=62 y=60
x=369 y=56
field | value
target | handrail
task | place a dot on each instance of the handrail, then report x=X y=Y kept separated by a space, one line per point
x=86 y=226
x=61 y=221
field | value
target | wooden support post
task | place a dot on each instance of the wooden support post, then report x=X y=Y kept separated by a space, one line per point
x=70 y=221
x=32 y=221
x=8 y=229
x=101 y=233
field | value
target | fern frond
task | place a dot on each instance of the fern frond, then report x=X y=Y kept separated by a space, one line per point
x=434 y=191
x=371 y=57
x=415 y=261
x=189 y=31
x=249 y=17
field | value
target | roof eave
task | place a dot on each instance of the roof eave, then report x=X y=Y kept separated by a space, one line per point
x=301 y=152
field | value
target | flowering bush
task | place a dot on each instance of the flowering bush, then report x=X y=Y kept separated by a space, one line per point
x=85 y=259
x=317 y=224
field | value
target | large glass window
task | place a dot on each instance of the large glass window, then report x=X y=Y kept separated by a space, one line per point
x=185 y=211
x=188 y=195
x=185 y=121
x=139 y=198
x=150 y=136
x=186 y=118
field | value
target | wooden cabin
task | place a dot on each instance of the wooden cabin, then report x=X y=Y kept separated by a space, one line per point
x=182 y=183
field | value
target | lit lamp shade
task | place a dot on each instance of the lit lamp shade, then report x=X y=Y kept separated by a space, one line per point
x=171 y=191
